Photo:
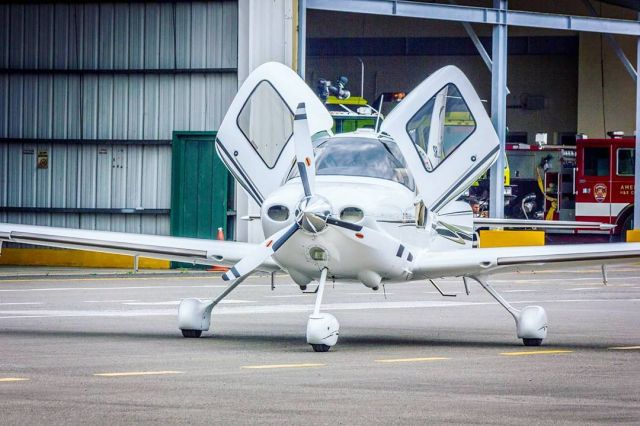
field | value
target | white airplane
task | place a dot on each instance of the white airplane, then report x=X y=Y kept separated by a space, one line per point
x=373 y=206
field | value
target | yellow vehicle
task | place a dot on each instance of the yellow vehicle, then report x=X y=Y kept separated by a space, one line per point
x=351 y=114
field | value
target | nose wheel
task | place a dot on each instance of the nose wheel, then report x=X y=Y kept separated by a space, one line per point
x=192 y=333
x=322 y=328
x=320 y=347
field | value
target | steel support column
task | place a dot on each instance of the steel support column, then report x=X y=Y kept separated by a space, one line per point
x=302 y=37
x=636 y=192
x=499 y=106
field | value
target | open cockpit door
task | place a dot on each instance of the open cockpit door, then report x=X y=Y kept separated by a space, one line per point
x=253 y=139
x=445 y=136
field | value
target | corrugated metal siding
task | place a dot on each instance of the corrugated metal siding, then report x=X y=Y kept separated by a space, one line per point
x=108 y=106
x=73 y=95
x=119 y=35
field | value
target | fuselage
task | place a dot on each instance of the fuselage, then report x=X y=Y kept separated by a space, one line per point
x=378 y=197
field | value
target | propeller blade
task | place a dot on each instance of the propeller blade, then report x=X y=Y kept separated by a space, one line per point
x=251 y=262
x=341 y=223
x=367 y=236
x=304 y=150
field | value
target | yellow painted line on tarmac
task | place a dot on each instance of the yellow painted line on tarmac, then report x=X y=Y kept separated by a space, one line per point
x=138 y=373
x=625 y=348
x=542 y=352
x=12 y=379
x=434 y=358
x=274 y=366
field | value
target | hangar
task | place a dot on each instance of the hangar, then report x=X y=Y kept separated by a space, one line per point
x=108 y=110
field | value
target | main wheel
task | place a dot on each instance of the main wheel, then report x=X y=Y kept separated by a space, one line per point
x=532 y=342
x=192 y=333
x=320 y=347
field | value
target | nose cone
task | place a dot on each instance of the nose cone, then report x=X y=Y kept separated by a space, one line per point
x=312 y=213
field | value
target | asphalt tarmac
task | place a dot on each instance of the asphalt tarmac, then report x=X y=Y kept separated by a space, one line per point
x=106 y=350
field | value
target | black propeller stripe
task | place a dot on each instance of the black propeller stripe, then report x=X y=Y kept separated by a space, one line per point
x=235 y=272
x=280 y=241
x=305 y=178
x=343 y=224
x=300 y=117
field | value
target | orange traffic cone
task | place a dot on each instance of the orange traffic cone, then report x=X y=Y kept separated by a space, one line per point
x=217 y=268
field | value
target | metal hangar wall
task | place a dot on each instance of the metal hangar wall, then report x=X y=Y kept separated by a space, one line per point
x=90 y=94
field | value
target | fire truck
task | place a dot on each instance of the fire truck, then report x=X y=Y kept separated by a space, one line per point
x=541 y=181
x=604 y=181
x=591 y=181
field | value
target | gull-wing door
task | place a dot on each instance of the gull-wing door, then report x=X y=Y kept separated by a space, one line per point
x=445 y=135
x=253 y=139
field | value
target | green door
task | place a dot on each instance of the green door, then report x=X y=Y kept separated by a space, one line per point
x=201 y=188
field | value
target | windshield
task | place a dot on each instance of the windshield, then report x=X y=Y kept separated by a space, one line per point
x=353 y=156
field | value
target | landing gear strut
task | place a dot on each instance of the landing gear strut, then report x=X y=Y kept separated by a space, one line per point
x=322 y=328
x=194 y=315
x=531 y=321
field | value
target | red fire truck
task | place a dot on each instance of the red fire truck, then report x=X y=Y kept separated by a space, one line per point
x=604 y=181
x=591 y=181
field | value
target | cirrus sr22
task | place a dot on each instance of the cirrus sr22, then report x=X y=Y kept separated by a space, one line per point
x=372 y=206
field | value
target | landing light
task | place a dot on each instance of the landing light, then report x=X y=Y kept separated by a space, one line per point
x=351 y=214
x=278 y=213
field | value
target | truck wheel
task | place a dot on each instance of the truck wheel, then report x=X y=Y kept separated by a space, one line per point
x=626 y=226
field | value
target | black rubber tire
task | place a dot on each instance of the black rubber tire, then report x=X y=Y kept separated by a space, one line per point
x=532 y=342
x=192 y=333
x=320 y=347
x=626 y=226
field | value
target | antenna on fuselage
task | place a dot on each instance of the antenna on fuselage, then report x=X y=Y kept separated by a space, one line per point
x=379 y=112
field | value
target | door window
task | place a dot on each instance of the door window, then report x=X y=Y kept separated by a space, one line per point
x=596 y=161
x=267 y=137
x=626 y=162
x=440 y=126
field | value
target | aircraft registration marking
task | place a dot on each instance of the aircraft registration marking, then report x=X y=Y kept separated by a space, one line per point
x=274 y=366
x=435 y=358
x=541 y=352
x=12 y=379
x=137 y=373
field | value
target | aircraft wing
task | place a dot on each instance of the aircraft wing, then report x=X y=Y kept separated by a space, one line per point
x=430 y=264
x=191 y=250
